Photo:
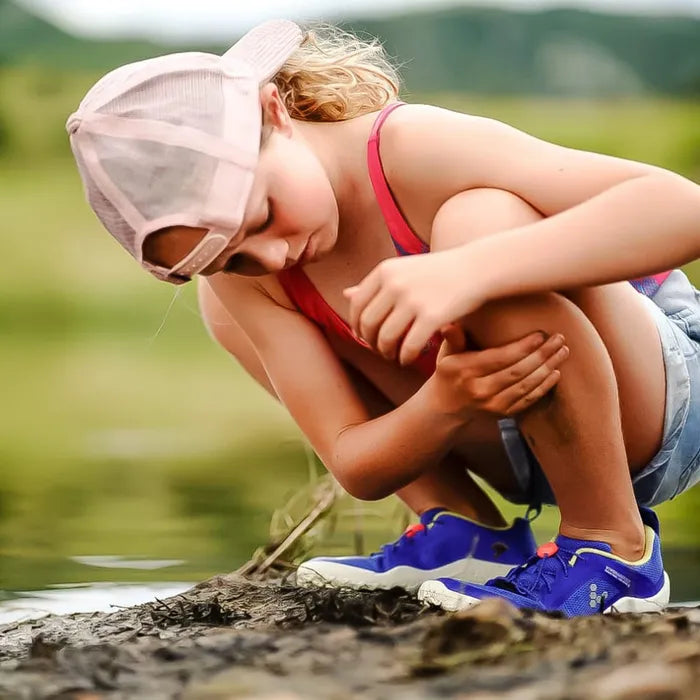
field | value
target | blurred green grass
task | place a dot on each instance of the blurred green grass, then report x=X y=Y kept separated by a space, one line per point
x=119 y=439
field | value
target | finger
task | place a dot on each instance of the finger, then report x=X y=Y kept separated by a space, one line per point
x=451 y=344
x=395 y=326
x=517 y=372
x=527 y=385
x=360 y=295
x=503 y=357
x=374 y=314
x=416 y=339
x=455 y=339
x=535 y=395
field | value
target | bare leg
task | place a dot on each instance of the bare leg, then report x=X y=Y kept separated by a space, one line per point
x=618 y=312
x=576 y=432
x=605 y=417
x=619 y=315
x=449 y=485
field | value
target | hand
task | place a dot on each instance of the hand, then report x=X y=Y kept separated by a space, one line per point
x=503 y=380
x=403 y=302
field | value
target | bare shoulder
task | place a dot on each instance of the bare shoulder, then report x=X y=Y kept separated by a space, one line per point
x=420 y=129
x=250 y=302
x=230 y=290
x=429 y=121
x=436 y=153
x=423 y=138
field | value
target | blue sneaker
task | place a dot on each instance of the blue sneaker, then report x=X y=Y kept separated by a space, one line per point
x=575 y=577
x=442 y=544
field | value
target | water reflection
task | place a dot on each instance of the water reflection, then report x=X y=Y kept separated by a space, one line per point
x=136 y=528
x=77 y=520
x=112 y=562
x=95 y=597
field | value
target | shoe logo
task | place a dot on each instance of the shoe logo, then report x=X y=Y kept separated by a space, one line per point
x=499 y=549
x=618 y=576
x=596 y=599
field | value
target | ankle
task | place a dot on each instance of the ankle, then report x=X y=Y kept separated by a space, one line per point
x=488 y=517
x=628 y=543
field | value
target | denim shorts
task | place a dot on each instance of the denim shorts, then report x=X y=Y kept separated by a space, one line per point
x=676 y=466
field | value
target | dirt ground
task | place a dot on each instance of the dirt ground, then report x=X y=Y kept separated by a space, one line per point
x=234 y=638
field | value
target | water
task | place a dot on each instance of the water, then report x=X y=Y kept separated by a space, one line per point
x=87 y=597
x=120 y=531
x=63 y=599
x=118 y=534
x=112 y=482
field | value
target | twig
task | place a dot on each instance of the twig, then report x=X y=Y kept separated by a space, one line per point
x=322 y=505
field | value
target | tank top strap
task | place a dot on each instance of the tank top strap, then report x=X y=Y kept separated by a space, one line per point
x=304 y=295
x=405 y=240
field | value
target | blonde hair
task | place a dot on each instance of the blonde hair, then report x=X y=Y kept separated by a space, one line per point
x=335 y=75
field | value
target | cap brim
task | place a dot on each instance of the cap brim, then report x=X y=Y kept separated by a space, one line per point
x=267 y=47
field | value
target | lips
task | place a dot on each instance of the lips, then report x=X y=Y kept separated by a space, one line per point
x=309 y=251
x=306 y=255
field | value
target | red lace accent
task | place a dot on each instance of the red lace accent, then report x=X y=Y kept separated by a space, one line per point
x=413 y=530
x=548 y=549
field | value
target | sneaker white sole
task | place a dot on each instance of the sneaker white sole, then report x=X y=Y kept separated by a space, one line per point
x=657 y=603
x=436 y=593
x=339 y=575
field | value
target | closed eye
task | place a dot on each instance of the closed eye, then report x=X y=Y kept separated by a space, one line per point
x=268 y=219
x=241 y=264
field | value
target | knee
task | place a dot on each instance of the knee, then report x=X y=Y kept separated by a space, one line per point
x=504 y=320
x=480 y=212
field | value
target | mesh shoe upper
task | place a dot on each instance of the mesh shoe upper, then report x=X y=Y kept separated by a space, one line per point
x=576 y=577
x=442 y=537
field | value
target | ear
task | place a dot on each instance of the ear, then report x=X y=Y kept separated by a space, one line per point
x=274 y=112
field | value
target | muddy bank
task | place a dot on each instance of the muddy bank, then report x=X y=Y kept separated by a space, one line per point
x=232 y=638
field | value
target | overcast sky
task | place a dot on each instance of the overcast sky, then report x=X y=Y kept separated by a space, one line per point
x=219 y=19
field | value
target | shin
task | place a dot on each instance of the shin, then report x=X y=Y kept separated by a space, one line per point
x=576 y=431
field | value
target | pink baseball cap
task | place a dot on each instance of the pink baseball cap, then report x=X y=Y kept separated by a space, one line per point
x=174 y=140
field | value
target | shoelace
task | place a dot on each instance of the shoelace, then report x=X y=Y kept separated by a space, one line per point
x=408 y=536
x=536 y=572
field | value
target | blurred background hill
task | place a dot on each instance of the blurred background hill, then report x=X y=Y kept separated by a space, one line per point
x=497 y=51
x=26 y=38
x=123 y=431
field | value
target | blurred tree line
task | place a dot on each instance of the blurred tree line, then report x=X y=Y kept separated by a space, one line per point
x=494 y=51
x=44 y=71
x=555 y=52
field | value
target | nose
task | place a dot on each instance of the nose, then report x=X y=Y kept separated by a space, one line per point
x=271 y=253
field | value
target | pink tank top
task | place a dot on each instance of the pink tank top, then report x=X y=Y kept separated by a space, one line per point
x=307 y=299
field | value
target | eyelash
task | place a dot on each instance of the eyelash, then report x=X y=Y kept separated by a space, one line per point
x=238 y=259
x=270 y=216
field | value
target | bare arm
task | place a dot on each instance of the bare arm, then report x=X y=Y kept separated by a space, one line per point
x=373 y=457
x=370 y=458
x=609 y=219
x=227 y=332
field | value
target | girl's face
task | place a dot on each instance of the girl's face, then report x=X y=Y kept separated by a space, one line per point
x=291 y=216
